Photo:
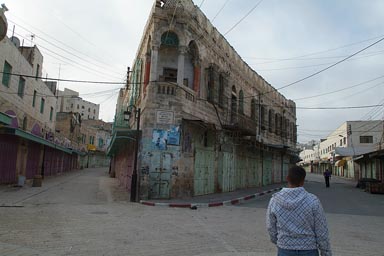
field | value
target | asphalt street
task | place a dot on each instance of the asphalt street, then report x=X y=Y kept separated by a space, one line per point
x=85 y=213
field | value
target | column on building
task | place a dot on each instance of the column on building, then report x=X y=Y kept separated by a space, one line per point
x=180 y=65
x=196 y=76
x=153 y=63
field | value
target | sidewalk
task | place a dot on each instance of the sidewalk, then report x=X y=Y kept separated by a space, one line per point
x=12 y=196
x=217 y=199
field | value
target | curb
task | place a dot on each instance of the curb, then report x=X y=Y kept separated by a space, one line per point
x=213 y=204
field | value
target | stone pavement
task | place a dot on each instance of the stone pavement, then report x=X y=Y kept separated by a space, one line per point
x=85 y=214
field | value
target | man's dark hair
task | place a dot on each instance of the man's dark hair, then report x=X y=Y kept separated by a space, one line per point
x=296 y=175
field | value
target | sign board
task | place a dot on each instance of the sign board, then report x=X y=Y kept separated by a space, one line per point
x=164 y=117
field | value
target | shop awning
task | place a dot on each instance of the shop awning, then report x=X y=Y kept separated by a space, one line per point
x=340 y=163
x=120 y=138
x=29 y=136
x=5 y=119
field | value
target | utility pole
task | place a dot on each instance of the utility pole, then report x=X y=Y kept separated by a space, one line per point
x=134 y=174
x=128 y=71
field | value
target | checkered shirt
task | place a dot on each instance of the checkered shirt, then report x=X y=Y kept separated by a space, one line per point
x=296 y=221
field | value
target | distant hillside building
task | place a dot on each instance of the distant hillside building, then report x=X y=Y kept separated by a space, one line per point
x=69 y=101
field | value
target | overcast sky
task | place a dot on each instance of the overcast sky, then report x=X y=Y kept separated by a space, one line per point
x=282 y=40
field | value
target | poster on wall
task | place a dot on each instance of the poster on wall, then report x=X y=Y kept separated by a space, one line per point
x=173 y=137
x=159 y=139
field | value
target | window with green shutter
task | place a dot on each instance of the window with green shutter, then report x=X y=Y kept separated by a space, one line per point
x=51 y=114
x=42 y=103
x=34 y=98
x=20 y=91
x=6 y=74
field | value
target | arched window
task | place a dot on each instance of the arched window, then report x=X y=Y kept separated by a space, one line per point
x=270 y=120
x=241 y=102
x=169 y=38
x=233 y=105
x=253 y=109
x=221 y=90
x=25 y=123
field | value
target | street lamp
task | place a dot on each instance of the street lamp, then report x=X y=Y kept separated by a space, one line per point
x=127 y=116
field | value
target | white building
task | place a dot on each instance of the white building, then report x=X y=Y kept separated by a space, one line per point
x=25 y=96
x=352 y=138
x=69 y=101
x=338 y=150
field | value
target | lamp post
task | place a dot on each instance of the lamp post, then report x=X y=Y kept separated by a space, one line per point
x=127 y=115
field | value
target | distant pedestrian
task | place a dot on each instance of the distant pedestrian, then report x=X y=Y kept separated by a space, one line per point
x=295 y=219
x=327 y=176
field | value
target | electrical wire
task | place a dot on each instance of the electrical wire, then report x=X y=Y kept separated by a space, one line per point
x=340 y=90
x=62 y=79
x=246 y=15
x=320 y=64
x=320 y=52
x=324 y=69
x=105 y=66
x=220 y=10
x=68 y=59
x=201 y=4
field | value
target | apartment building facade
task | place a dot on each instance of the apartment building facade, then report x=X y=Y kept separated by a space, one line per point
x=208 y=122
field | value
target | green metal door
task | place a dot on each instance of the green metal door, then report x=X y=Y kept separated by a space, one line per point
x=160 y=176
x=241 y=171
x=253 y=178
x=204 y=182
x=267 y=168
x=226 y=172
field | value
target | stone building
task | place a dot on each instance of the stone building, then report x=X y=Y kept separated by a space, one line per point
x=27 y=143
x=208 y=122
x=69 y=101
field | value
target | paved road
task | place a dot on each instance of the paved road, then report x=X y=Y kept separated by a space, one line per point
x=82 y=213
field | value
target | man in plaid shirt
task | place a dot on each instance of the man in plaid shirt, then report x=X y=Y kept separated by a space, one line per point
x=295 y=219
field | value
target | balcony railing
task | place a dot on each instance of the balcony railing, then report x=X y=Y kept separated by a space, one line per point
x=241 y=123
x=172 y=89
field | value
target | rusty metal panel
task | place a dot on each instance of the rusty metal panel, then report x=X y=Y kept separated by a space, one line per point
x=226 y=174
x=160 y=175
x=267 y=168
x=277 y=165
x=241 y=171
x=33 y=160
x=285 y=167
x=204 y=182
x=8 y=156
x=253 y=175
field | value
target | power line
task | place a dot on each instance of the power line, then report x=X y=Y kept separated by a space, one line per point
x=61 y=56
x=324 y=69
x=343 y=89
x=201 y=4
x=344 y=107
x=221 y=9
x=105 y=65
x=63 y=80
x=320 y=64
x=246 y=15
x=320 y=52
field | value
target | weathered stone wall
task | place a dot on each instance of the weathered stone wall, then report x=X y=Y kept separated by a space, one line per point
x=195 y=79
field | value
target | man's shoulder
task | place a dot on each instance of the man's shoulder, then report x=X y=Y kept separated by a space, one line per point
x=312 y=198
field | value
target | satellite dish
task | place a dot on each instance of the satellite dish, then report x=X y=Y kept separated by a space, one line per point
x=15 y=41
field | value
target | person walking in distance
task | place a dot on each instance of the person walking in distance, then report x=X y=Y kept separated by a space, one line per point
x=327 y=176
x=296 y=221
